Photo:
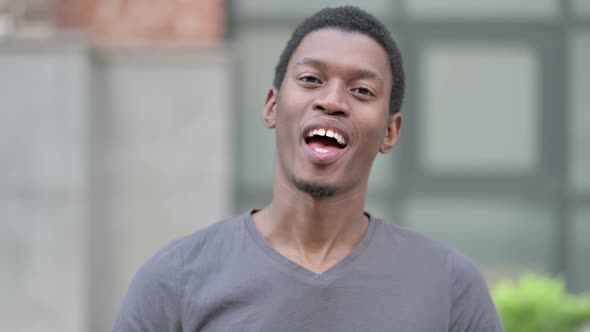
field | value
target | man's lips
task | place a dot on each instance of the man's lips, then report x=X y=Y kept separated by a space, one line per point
x=325 y=140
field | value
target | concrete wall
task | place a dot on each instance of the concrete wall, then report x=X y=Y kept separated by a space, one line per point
x=105 y=156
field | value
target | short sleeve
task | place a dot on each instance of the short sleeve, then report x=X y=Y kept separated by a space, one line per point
x=152 y=302
x=472 y=308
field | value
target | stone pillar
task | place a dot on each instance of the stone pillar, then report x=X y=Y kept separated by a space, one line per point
x=44 y=185
x=105 y=156
x=163 y=132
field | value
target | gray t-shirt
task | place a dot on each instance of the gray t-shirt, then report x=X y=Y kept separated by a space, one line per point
x=227 y=278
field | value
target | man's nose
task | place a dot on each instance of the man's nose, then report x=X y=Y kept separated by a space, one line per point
x=333 y=100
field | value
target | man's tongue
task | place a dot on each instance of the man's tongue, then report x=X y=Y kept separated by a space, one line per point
x=323 y=144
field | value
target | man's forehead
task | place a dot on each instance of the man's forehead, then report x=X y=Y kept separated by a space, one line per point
x=321 y=65
x=325 y=47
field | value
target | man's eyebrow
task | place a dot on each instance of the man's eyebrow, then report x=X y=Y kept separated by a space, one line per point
x=312 y=62
x=365 y=73
x=358 y=74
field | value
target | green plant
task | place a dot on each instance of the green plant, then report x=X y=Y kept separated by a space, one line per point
x=539 y=304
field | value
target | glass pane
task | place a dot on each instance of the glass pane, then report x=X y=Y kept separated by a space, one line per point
x=581 y=8
x=497 y=9
x=300 y=9
x=580 y=113
x=379 y=206
x=506 y=237
x=383 y=172
x=257 y=200
x=480 y=108
x=580 y=251
x=259 y=49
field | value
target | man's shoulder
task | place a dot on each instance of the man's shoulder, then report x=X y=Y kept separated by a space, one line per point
x=471 y=304
x=425 y=248
x=211 y=235
x=209 y=238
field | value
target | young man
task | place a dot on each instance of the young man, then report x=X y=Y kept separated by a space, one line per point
x=313 y=260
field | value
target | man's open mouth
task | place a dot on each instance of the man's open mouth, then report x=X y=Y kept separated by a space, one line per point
x=322 y=140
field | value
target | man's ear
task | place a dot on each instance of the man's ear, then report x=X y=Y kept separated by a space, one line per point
x=270 y=108
x=392 y=132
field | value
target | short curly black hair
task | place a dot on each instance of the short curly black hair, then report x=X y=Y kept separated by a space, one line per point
x=352 y=19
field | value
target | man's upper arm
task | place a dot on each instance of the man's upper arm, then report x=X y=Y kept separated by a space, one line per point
x=472 y=309
x=152 y=302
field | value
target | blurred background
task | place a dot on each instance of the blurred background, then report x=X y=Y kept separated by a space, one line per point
x=127 y=123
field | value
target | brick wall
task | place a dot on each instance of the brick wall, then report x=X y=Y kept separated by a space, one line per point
x=145 y=20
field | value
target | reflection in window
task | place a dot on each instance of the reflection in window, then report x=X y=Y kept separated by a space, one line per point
x=480 y=108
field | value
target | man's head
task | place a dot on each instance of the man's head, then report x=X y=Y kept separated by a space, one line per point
x=350 y=19
x=331 y=103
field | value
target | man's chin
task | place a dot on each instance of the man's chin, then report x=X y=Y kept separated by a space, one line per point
x=315 y=189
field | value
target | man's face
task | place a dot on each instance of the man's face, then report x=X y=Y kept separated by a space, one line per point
x=331 y=112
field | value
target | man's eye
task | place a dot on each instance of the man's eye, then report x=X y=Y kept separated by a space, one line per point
x=309 y=79
x=363 y=91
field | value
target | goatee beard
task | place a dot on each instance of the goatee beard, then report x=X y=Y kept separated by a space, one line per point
x=316 y=190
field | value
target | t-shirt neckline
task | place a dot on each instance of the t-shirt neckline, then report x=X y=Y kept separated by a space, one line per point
x=299 y=270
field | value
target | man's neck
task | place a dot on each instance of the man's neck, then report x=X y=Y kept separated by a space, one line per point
x=314 y=232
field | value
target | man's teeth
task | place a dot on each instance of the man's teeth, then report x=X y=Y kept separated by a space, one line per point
x=328 y=133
